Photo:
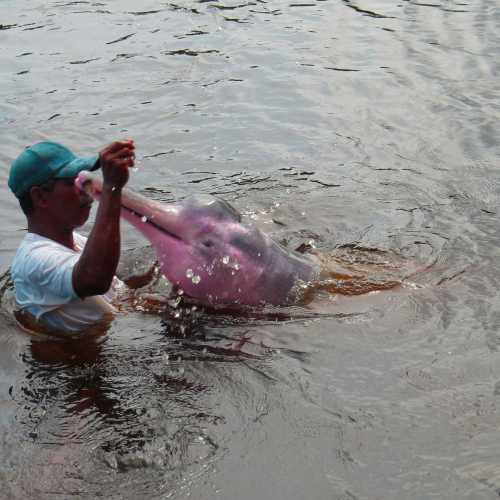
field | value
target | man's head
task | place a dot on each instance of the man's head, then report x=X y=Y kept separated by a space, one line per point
x=36 y=169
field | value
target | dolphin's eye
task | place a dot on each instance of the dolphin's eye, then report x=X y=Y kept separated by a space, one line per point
x=208 y=243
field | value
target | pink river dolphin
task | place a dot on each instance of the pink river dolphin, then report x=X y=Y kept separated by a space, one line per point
x=205 y=249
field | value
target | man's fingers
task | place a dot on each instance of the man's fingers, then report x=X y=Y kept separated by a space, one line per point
x=116 y=146
x=116 y=159
x=123 y=162
x=120 y=153
x=124 y=153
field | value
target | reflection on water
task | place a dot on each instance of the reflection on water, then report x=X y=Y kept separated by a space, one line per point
x=358 y=125
x=144 y=407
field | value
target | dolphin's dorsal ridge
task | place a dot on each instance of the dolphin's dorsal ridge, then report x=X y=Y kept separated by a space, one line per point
x=215 y=207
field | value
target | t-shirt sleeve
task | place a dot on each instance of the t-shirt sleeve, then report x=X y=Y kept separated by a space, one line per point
x=80 y=240
x=47 y=277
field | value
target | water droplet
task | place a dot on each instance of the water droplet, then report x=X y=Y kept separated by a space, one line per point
x=180 y=291
x=189 y=273
x=177 y=314
x=259 y=254
x=144 y=218
x=204 y=350
x=196 y=279
x=236 y=266
x=276 y=204
x=225 y=259
x=194 y=308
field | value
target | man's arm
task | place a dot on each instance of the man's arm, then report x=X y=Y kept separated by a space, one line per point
x=94 y=272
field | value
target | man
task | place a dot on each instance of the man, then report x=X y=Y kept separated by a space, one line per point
x=61 y=279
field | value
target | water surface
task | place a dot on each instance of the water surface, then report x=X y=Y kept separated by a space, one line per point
x=368 y=124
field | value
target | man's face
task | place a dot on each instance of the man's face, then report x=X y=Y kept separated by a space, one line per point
x=68 y=206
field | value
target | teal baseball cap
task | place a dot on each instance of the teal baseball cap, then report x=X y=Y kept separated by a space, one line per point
x=44 y=161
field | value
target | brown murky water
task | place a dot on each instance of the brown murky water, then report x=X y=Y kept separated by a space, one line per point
x=358 y=125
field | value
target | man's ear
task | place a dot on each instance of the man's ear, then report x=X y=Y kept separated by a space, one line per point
x=38 y=197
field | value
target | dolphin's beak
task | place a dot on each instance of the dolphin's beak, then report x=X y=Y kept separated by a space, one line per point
x=155 y=223
x=138 y=210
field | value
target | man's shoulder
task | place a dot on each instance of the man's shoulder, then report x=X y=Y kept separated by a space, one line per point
x=35 y=249
x=32 y=243
x=33 y=239
x=80 y=240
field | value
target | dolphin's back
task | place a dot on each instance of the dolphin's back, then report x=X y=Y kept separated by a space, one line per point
x=213 y=207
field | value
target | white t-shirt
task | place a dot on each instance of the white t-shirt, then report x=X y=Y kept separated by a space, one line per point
x=42 y=272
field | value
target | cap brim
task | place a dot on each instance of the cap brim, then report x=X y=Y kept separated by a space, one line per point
x=74 y=167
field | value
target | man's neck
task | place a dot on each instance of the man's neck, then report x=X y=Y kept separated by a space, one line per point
x=60 y=235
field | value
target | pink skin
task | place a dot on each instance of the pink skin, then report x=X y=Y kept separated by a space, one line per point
x=204 y=249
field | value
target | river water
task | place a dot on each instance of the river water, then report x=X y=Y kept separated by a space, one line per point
x=368 y=124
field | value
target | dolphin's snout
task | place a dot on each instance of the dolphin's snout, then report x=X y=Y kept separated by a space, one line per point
x=86 y=189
